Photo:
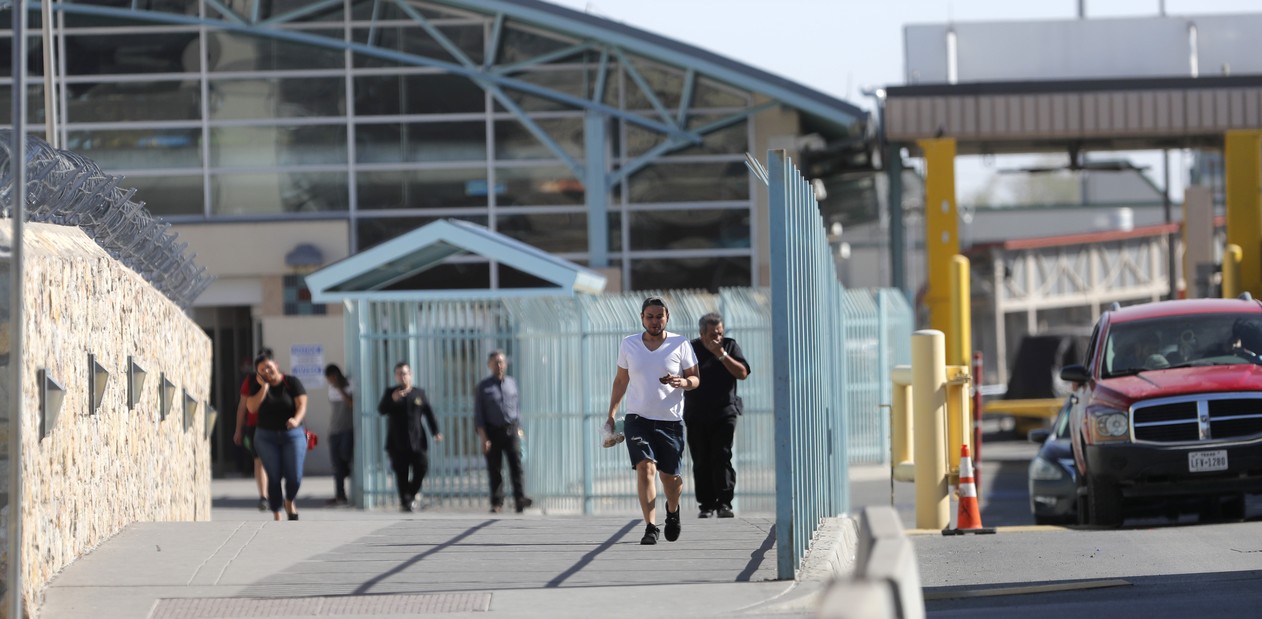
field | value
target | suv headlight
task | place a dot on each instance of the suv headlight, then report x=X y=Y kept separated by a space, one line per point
x=1108 y=426
x=1042 y=470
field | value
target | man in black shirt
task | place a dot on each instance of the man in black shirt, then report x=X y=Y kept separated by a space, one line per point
x=405 y=406
x=710 y=413
x=497 y=418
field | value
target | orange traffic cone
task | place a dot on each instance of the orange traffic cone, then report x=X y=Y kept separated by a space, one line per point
x=969 y=517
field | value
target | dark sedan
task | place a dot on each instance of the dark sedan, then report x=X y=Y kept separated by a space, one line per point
x=1053 y=485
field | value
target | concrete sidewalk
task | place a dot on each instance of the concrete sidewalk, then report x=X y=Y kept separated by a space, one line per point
x=340 y=562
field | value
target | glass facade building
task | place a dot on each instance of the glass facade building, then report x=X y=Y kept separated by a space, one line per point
x=390 y=115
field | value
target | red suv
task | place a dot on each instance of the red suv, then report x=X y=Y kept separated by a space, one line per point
x=1169 y=404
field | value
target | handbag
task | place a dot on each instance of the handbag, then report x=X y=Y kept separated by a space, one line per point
x=312 y=439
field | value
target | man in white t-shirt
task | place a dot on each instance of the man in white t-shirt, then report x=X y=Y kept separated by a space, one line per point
x=654 y=370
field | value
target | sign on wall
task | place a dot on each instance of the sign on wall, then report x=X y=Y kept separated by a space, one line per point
x=306 y=363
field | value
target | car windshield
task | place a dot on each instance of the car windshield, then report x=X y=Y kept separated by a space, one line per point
x=1182 y=341
x=1060 y=427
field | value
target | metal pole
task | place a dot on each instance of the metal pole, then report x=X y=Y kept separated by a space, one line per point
x=50 y=74
x=1171 y=237
x=17 y=163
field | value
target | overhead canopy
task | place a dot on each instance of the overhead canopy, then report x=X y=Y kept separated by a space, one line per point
x=368 y=274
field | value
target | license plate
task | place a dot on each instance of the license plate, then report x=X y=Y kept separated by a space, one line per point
x=1204 y=461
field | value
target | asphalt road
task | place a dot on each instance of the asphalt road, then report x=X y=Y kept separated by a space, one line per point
x=1151 y=567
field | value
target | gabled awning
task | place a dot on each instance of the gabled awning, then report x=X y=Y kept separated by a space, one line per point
x=366 y=275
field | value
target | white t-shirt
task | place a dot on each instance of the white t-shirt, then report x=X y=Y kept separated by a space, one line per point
x=646 y=395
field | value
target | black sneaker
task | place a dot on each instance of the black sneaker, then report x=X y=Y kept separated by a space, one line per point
x=726 y=512
x=672 y=526
x=524 y=503
x=650 y=535
x=706 y=513
x=263 y=504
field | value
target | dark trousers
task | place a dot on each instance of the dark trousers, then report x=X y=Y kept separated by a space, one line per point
x=504 y=443
x=710 y=446
x=409 y=472
x=341 y=454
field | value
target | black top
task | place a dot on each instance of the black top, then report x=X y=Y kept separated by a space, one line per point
x=717 y=393
x=278 y=403
x=404 y=432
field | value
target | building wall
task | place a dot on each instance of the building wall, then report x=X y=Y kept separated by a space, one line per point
x=98 y=471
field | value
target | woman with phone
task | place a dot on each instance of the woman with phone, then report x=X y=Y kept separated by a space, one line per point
x=281 y=440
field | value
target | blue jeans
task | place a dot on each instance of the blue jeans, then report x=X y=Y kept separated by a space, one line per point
x=283 y=453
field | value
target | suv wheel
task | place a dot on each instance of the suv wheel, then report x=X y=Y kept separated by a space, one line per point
x=1104 y=501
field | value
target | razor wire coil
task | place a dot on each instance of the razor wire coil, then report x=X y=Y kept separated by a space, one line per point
x=68 y=189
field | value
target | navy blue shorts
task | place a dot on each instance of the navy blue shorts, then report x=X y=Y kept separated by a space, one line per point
x=659 y=441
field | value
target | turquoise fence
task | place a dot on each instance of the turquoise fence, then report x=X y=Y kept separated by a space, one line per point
x=832 y=352
x=563 y=351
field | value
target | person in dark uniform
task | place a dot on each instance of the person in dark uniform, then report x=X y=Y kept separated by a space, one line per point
x=497 y=418
x=710 y=413
x=404 y=406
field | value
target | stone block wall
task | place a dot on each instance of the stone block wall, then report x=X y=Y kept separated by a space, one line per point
x=96 y=471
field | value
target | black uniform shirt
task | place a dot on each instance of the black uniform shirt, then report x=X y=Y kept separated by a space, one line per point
x=717 y=393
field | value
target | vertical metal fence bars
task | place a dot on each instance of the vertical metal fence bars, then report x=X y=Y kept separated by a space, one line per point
x=563 y=351
x=810 y=380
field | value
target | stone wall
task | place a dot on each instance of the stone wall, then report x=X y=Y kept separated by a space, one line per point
x=95 y=472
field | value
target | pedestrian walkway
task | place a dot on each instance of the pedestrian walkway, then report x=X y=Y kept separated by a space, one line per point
x=342 y=562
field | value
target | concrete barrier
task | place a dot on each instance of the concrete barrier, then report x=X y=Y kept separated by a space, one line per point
x=885 y=581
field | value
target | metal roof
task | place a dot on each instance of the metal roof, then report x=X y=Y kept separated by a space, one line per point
x=366 y=274
x=671 y=51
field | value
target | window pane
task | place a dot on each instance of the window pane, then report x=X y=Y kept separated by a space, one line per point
x=422 y=189
x=169 y=195
x=712 y=94
x=732 y=139
x=667 y=85
x=238 y=52
x=538 y=186
x=676 y=273
x=443 y=141
x=282 y=192
x=690 y=182
x=139 y=149
x=551 y=232
x=519 y=44
x=412 y=39
x=273 y=146
x=514 y=141
x=417 y=94
x=277 y=97
x=118 y=54
x=377 y=230
x=133 y=101
x=698 y=229
x=569 y=81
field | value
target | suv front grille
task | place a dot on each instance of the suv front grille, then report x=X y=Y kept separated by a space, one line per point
x=1217 y=416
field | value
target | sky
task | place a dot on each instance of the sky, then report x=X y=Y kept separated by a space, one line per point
x=841 y=46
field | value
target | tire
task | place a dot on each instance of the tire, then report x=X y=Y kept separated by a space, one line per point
x=1233 y=507
x=1226 y=508
x=1104 y=502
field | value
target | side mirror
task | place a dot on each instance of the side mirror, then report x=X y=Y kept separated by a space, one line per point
x=1075 y=373
x=1039 y=435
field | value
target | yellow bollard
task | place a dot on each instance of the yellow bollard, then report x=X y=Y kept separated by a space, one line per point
x=928 y=395
x=1232 y=256
x=959 y=349
x=901 y=424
